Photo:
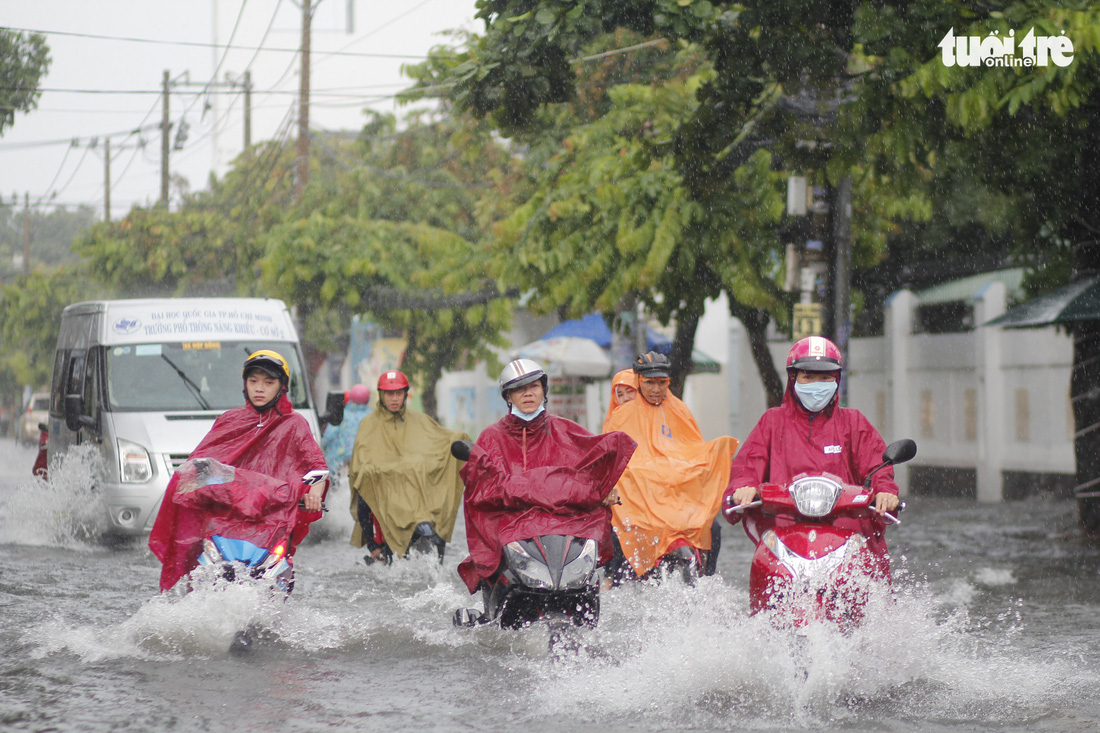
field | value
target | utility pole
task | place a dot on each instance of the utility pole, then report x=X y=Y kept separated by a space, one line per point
x=107 y=179
x=247 y=110
x=26 y=234
x=842 y=285
x=165 y=125
x=303 y=105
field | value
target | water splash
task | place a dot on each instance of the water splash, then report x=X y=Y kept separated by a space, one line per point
x=65 y=510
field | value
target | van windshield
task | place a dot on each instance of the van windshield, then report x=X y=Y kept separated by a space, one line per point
x=190 y=376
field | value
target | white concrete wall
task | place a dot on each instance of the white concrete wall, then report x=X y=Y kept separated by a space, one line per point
x=992 y=399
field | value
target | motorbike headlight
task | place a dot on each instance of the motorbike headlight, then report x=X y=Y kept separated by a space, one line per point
x=577 y=571
x=532 y=571
x=134 y=466
x=815 y=496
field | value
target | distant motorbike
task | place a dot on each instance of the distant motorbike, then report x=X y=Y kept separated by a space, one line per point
x=813 y=559
x=424 y=540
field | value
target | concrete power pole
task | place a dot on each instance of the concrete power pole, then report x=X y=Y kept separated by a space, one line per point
x=303 y=105
x=26 y=234
x=107 y=180
x=247 y=110
x=165 y=126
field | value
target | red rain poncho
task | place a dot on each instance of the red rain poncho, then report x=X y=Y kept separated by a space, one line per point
x=789 y=441
x=277 y=444
x=547 y=476
x=672 y=489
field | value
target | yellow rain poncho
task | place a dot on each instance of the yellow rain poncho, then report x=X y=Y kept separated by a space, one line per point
x=402 y=467
x=672 y=488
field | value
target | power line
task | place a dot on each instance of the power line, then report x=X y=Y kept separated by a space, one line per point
x=199 y=44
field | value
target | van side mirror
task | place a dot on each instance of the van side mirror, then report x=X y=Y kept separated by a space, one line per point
x=334 y=408
x=75 y=419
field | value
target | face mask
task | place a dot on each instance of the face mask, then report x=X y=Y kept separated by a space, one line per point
x=815 y=395
x=524 y=416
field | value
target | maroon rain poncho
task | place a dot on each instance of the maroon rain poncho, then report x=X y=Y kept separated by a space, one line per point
x=789 y=441
x=278 y=444
x=546 y=476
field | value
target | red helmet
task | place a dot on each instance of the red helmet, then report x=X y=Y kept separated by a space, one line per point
x=359 y=394
x=815 y=354
x=392 y=381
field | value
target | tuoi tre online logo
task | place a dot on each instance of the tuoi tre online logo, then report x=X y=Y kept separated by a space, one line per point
x=994 y=50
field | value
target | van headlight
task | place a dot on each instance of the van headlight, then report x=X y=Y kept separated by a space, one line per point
x=134 y=465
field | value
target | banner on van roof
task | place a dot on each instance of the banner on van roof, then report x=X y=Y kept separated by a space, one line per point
x=130 y=323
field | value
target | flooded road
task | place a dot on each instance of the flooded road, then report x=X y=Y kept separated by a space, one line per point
x=993 y=626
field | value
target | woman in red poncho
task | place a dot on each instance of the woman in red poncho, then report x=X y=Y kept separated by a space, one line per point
x=264 y=437
x=532 y=473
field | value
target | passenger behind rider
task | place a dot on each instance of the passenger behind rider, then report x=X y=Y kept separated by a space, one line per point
x=810 y=433
x=532 y=473
x=672 y=489
x=265 y=436
x=401 y=474
x=622 y=391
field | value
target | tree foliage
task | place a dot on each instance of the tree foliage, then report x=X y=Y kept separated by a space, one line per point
x=24 y=60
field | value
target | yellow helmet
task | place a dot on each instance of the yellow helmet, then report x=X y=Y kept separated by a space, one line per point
x=270 y=362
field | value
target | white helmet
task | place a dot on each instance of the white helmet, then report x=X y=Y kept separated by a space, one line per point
x=520 y=372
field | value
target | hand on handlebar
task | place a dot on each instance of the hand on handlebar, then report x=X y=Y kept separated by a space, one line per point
x=885 y=502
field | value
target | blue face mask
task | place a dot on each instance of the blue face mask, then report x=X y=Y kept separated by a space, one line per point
x=524 y=416
x=814 y=396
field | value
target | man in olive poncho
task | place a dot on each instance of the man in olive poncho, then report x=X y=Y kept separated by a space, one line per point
x=405 y=487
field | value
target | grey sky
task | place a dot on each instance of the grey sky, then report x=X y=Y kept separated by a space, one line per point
x=349 y=72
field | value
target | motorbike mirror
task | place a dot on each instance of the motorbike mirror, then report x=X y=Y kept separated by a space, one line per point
x=899 y=451
x=334 y=408
x=460 y=449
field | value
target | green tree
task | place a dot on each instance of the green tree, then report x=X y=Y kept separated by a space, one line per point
x=24 y=59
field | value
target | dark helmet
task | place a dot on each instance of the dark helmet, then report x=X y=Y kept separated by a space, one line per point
x=815 y=354
x=653 y=366
x=519 y=373
x=270 y=363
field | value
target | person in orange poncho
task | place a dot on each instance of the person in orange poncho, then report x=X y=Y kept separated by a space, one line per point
x=672 y=489
x=622 y=391
x=274 y=449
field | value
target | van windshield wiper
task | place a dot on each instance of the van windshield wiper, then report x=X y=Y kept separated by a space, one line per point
x=194 y=388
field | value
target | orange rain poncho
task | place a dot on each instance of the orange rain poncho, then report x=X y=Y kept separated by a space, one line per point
x=626 y=379
x=672 y=488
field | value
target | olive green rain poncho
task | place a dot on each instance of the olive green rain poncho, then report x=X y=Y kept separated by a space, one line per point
x=402 y=467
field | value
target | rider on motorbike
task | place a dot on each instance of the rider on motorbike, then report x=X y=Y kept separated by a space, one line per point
x=672 y=489
x=810 y=433
x=401 y=474
x=271 y=445
x=532 y=474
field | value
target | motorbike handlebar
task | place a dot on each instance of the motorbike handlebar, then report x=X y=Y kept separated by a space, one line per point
x=302 y=505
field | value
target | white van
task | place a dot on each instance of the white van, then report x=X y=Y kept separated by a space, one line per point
x=145 y=379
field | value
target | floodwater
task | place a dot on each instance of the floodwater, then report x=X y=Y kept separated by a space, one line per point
x=992 y=626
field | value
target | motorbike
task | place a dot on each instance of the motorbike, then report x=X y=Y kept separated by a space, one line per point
x=548 y=578
x=424 y=540
x=814 y=558
x=229 y=559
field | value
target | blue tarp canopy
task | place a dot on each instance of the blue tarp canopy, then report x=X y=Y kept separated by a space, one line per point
x=594 y=327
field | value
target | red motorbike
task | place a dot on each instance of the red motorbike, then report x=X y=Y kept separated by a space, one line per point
x=819 y=545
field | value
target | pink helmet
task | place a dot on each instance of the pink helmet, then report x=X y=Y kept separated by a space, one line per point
x=393 y=380
x=359 y=394
x=815 y=354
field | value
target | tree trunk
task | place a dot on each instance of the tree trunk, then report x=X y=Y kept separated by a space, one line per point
x=756 y=322
x=683 y=343
x=1085 y=397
